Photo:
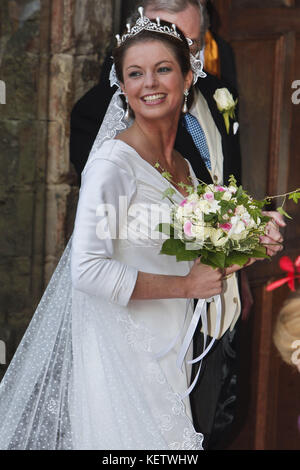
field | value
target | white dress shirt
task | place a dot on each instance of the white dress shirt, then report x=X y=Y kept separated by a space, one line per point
x=231 y=305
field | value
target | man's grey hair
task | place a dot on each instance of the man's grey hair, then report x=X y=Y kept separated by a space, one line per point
x=176 y=6
x=173 y=6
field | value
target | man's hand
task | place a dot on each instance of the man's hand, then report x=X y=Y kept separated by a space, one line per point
x=273 y=239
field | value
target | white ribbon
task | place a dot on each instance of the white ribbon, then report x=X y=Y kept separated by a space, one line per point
x=168 y=348
x=200 y=312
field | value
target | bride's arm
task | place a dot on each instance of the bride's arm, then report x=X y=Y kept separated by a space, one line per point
x=200 y=283
x=93 y=267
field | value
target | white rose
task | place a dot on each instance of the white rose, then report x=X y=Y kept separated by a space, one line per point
x=224 y=99
x=237 y=226
x=232 y=189
x=214 y=206
x=184 y=211
x=198 y=232
x=240 y=210
x=193 y=197
x=217 y=237
x=227 y=195
x=247 y=219
x=202 y=206
x=208 y=231
x=239 y=236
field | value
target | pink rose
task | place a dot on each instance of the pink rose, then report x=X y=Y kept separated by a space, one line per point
x=187 y=228
x=183 y=203
x=208 y=196
x=220 y=188
x=226 y=227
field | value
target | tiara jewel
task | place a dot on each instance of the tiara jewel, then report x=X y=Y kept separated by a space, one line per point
x=145 y=24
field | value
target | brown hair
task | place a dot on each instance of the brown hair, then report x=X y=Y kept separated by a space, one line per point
x=287 y=328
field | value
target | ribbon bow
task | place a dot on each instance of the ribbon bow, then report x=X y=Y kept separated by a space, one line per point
x=292 y=269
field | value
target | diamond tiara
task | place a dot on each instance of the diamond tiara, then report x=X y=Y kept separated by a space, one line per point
x=145 y=24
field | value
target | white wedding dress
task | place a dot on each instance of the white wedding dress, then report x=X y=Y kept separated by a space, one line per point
x=95 y=369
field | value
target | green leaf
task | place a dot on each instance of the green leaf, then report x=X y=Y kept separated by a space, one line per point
x=283 y=212
x=167 y=229
x=216 y=259
x=210 y=217
x=187 y=255
x=226 y=206
x=227 y=122
x=167 y=175
x=239 y=192
x=232 y=181
x=171 y=247
x=200 y=189
x=218 y=195
x=259 y=252
x=295 y=197
x=236 y=258
x=168 y=193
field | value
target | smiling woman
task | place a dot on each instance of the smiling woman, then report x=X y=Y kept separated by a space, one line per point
x=152 y=78
x=112 y=300
x=177 y=54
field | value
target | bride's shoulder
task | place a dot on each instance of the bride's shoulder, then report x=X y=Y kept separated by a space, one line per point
x=116 y=152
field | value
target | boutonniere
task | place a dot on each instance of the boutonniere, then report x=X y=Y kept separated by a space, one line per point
x=226 y=105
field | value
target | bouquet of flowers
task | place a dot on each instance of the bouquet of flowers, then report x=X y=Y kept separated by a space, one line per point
x=222 y=224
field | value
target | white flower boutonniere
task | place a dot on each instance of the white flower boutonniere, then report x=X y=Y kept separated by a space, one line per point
x=226 y=105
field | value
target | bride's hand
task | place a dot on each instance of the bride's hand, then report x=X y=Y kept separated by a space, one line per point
x=204 y=281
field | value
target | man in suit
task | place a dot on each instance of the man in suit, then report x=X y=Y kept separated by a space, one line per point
x=213 y=399
x=217 y=54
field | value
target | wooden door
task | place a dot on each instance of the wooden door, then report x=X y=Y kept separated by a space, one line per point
x=265 y=36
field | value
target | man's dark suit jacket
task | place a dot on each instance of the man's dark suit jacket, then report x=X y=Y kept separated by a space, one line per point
x=227 y=63
x=213 y=399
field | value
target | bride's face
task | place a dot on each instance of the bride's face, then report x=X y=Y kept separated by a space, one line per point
x=153 y=81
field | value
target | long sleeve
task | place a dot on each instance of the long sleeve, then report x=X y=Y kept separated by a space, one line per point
x=94 y=269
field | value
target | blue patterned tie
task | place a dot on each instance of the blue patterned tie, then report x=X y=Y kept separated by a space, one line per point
x=195 y=130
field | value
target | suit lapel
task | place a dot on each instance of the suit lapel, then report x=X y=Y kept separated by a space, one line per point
x=207 y=87
x=230 y=143
x=184 y=144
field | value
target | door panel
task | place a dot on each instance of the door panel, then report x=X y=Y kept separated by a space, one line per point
x=265 y=37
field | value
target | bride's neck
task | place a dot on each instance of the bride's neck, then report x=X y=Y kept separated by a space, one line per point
x=156 y=140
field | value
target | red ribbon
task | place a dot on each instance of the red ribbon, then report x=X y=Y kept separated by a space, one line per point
x=292 y=269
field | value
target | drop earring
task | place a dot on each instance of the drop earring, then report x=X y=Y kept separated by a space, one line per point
x=185 y=108
x=127 y=115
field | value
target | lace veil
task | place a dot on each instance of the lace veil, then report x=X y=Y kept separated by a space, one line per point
x=38 y=407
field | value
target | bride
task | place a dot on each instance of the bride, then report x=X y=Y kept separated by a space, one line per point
x=97 y=367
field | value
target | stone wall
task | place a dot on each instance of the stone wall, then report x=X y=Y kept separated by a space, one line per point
x=50 y=55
